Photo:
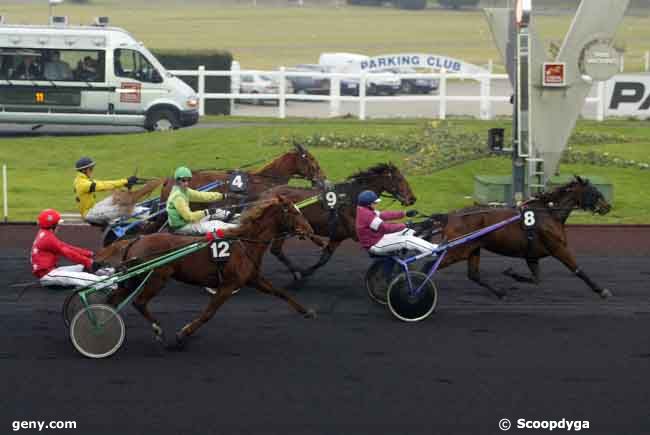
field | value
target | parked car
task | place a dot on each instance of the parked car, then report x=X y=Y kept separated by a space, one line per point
x=307 y=84
x=416 y=86
x=261 y=84
x=384 y=82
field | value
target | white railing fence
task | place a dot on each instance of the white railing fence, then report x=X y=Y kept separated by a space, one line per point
x=484 y=99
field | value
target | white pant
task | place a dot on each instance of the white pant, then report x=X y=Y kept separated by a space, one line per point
x=70 y=276
x=405 y=239
x=106 y=211
x=205 y=225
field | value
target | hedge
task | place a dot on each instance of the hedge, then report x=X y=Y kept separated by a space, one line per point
x=216 y=60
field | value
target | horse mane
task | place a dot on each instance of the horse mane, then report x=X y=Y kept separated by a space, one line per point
x=249 y=218
x=553 y=195
x=373 y=171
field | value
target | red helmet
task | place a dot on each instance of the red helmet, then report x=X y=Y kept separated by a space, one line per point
x=48 y=218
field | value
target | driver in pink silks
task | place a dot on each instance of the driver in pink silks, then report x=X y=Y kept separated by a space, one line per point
x=380 y=237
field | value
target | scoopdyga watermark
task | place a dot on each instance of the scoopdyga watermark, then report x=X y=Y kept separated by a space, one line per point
x=546 y=425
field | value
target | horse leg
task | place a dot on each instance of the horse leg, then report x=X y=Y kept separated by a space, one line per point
x=217 y=300
x=325 y=256
x=563 y=254
x=265 y=286
x=474 y=273
x=276 y=249
x=533 y=266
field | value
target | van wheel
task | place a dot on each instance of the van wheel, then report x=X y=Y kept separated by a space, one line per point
x=162 y=120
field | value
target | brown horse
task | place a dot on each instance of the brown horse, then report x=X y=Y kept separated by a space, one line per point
x=545 y=237
x=297 y=162
x=260 y=226
x=339 y=224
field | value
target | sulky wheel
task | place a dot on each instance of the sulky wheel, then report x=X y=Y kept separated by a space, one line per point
x=378 y=277
x=97 y=331
x=73 y=303
x=412 y=308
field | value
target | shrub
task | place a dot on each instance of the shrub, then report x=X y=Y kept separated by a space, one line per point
x=456 y=4
x=216 y=60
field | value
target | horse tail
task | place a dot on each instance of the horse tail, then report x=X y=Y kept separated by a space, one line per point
x=146 y=189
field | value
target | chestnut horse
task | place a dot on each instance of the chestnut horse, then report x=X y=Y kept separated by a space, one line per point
x=260 y=226
x=339 y=224
x=297 y=162
x=546 y=237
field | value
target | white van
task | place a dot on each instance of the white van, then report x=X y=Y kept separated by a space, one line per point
x=88 y=75
x=384 y=82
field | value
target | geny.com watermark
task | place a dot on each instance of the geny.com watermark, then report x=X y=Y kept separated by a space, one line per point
x=550 y=425
x=40 y=425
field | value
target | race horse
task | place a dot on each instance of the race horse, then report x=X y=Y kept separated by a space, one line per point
x=297 y=162
x=338 y=224
x=543 y=236
x=260 y=226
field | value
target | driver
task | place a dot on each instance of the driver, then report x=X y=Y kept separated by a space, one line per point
x=380 y=237
x=46 y=250
x=85 y=187
x=182 y=220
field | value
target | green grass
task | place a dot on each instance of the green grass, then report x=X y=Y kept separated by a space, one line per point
x=41 y=168
x=269 y=37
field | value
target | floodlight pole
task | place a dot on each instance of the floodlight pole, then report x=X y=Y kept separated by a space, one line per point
x=521 y=124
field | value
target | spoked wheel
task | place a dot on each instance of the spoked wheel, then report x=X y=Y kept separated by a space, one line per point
x=73 y=304
x=412 y=308
x=97 y=331
x=378 y=277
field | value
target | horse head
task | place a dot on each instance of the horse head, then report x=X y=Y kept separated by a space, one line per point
x=292 y=219
x=386 y=177
x=306 y=164
x=588 y=197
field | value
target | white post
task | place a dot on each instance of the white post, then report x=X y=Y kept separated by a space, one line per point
x=622 y=63
x=600 y=113
x=486 y=106
x=362 y=96
x=647 y=61
x=335 y=93
x=4 y=193
x=443 y=94
x=283 y=91
x=201 y=90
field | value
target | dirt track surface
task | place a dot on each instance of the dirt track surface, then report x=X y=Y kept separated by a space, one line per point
x=546 y=352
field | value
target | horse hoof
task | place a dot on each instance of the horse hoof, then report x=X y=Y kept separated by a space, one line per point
x=179 y=344
x=604 y=293
x=310 y=314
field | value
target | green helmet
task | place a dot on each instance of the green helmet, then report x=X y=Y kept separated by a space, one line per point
x=182 y=172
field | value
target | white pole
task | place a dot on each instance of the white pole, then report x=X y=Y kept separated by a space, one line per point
x=622 y=63
x=600 y=114
x=362 y=96
x=283 y=88
x=443 y=94
x=4 y=192
x=201 y=90
x=335 y=93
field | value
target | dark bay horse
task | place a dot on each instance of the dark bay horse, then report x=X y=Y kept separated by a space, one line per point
x=298 y=162
x=260 y=226
x=339 y=225
x=546 y=238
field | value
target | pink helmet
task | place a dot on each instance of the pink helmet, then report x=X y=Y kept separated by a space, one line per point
x=48 y=218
